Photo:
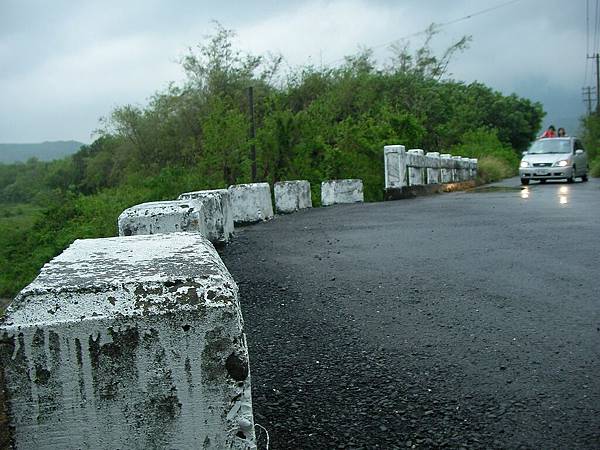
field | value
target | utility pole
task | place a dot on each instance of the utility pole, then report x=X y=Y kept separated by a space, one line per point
x=597 y=58
x=252 y=132
x=587 y=98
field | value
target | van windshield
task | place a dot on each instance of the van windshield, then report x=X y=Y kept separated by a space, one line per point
x=553 y=145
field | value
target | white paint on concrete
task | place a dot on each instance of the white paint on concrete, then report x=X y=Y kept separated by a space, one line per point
x=217 y=213
x=341 y=191
x=395 y=166
x=465 y=171
x=416 y=167
x=446 y=167
x=473 y=167
x=291 y=196
x=251 y=203
x=433 y=168
x=456 y=172
x=130 y=342
x=162 y=217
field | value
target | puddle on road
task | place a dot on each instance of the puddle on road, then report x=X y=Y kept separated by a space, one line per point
x=485 y=189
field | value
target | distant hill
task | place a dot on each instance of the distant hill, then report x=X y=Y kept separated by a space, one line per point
x=44 y=151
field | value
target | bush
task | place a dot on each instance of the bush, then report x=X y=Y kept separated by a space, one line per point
x=495 y=159
x=595 y=168
x=492 y=168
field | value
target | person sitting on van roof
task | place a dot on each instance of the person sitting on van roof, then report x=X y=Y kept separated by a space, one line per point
x=549 y=133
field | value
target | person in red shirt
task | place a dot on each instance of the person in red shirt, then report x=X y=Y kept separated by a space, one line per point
x=549 y=133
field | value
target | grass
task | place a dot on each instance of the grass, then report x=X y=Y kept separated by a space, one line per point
x=492 y=168
x=595 y=168
x=17 y=222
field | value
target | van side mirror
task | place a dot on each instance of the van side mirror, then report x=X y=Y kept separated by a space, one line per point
x=578 y=151
x=523 y=153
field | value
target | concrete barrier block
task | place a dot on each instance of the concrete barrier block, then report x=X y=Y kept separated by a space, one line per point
x=162 y=217
x=394 y=157
x=456 y=172
x=291 y=196
x=473 y=167
x=416 y=167
x=465 y=172
x=216 y=212
x=446 y=167
x=341 y=191
x=433 y=168
x=132 y=342
x=251 y=203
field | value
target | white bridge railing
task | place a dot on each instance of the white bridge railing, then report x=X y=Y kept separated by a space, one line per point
x=415 y=167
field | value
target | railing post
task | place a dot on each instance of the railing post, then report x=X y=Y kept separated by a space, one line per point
x=433 y=168
x=394 y=157
x=456 y=168
x=446 y=167
x=416 y=169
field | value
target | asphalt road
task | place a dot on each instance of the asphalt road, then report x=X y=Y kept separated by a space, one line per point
x=468 y=319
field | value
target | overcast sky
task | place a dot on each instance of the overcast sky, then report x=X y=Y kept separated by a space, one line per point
x=64 y=64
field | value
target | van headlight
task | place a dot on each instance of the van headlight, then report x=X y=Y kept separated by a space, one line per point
x=524 y=164
x=562 y=163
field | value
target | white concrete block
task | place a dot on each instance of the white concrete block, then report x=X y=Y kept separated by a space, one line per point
x=341 y=191
x=216 y=211
x=456 y=173
x=416 y=167
x=433 y=168
x=394 y=157
x=251 y=202
x=446 y=167
x=291 y=196
x=465 y=173
x=131 y=342
x=473 y=167
x=162 y=217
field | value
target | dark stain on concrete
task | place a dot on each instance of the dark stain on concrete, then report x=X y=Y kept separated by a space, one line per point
x=213 y=355
x=237 y=366
x=114 y=363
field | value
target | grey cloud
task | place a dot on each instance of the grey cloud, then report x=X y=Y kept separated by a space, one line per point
x=63 y=64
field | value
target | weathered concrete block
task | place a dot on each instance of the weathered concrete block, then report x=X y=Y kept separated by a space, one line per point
x=394 y=157
x=133 y=343
x=446 y=163
x=473 y=167
x=465 y=171
x=416 y=167
x=291 y=196
x=433 y=168
x=456 y=169
x=341 y=191
x=251 y=202
x=162 y=217
x=217 y=213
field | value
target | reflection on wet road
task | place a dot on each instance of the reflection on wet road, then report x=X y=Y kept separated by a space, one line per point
x=555 y=192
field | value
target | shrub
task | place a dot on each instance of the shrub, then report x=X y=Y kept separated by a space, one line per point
x=595 y=168
x=493 y=168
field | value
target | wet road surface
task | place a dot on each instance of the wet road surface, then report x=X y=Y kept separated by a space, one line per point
x=468 y=319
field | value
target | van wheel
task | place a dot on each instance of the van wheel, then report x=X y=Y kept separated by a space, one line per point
x=584 y=177
x=524 y=181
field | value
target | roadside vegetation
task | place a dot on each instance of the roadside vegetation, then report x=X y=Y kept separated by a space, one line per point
x=590 y=125
x=312 y=123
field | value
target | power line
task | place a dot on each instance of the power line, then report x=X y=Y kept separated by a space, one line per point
x=596 y=17
x=440 y=25
x=587 y=27
x=587 y=40
x=478 y=13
